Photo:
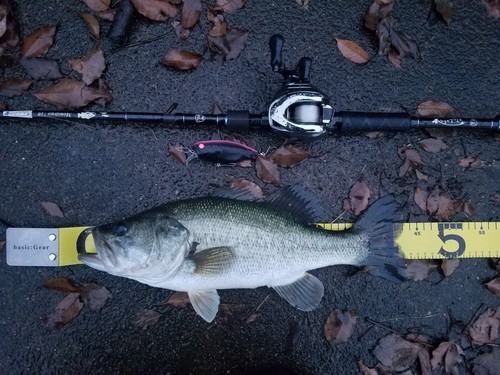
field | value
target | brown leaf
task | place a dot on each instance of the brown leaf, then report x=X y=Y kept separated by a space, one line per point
x=179 y=299
x=493 y=8
x=14 y=87
x=469 y=209
x=181 y=32
x=365 y=370
x=340 y=326
x=445 y=9
x=182 y=60
x=359 y=195
x=441 y=206
x=377 y=11
x=191 y=11
x=417 y=270
x=433 y=108
x=147 y=318
x=394 y=59
x=448 y=354
x=105 y=93
x=98 y=5
x=247 y=163
x=421 y=194
x=389 y=37
x=38 y=42
x=92 y=24
x=177 y=152
x=448 y=266
x=411 y=160
x=289 y=155
x=439 y=132
x=95 y=296
x=39 y=68
x=91 y=66
x=486 y=328
x=219 y=26
x=432 y=145
x=396 y=353
x=67 y=309
x=472 y=163
x=375 y=134
x=352 y=51
x=267 y=171
x=108 y=15
x=61 y=284
x=156 y=10
x=52 y=209
x=494 y=286
x=9 y=36
x=229 y=6
x=68 y=94
x=230 y=45
x=248 y=186
x=425 y=362
x=421 y=176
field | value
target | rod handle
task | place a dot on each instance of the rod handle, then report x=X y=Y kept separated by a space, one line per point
x=367 y=122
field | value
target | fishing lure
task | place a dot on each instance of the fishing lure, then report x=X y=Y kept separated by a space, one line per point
x=223 y=152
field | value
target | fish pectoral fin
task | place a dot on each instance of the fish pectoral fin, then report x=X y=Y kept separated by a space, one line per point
x=305 y=293
x=212 y=261
x=205 y=303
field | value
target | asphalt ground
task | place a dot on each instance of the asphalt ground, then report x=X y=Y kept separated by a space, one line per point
x=99 y=173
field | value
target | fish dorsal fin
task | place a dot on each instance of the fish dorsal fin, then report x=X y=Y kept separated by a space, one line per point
x=213 y=260
x=239 y=193
x=205 y=303
x=299 y=203
x=305 y=293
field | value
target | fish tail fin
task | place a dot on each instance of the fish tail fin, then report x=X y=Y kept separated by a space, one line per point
x=384 y=258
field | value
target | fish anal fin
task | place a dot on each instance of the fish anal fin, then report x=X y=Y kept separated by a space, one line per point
x=305 y=293
x=213 y=260
x=205 y=303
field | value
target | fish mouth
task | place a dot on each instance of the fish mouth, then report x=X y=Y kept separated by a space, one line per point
x=104 y=252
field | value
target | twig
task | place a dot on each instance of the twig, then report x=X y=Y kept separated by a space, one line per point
x=398 y=333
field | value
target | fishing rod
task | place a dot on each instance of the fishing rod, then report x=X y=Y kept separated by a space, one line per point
x=299 y=110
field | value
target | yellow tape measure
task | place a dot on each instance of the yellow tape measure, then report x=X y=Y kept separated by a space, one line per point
x=58 y=247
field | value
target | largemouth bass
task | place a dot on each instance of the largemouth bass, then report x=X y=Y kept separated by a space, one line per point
x=204 y=244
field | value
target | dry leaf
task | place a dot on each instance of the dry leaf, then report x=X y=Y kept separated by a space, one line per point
x=229 y=6
x=9 y=36
x=417 y=270
x=179 y=299
x=411 y=160
x=441 y=206
x=191 y=11
x=421 y=195
x=448 y=266
x=493 y=7
x=375 y=134
x=389 y=37
x=352 y=51
x=92 y=24
x=365 y=370
x=445 y=9
x=108 y=15
x=91 y=66
x=156 y=10
x=219 y=26
x=432 y=145
x=147 y=318
x=359 y=195
x=38 y=42
x=67 y=309
x=448 y=354
x=39 y=68
x=340 y=326
x=472 y=163
x=248 y=186
x=177 y=152
x=61 y=284
x=98 y=5
x=267 y=171
x=181 y=32
x=14 y=87
x=289 y=155
x=377 y=11
x=94 y=295
x=396 y=353
x=394 y=59
x=182 y=60
x=105 y=93
x=494 y=286
x=229 y=46
x=486 y=328
x=52 y=209
x=434 y=108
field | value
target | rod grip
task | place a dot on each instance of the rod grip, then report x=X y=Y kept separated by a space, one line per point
x=366 y=121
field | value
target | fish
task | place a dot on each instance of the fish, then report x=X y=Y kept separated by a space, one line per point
x=232 y=240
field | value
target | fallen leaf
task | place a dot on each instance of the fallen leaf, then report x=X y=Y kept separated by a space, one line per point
x=289 y=155
x=421 y=194
x=448 y=266
x=417 y=270
x=493 y=8
x=98 y=5
x=94 y=295
x=191 y=11
x=267 y=171
x=439 y=132
x=396 y=353
x=248 y=186
x=92 y=24
x=9 y=36
x=411 y=160
x=394 y=59
x=104 y=92
x=377 y=11
x=365 y=370
x=179 y=299
x=66 y=310
x=359 y=195
x=445 y=9
x=177 y=152
x=68 y=94
x=147 y=318
x=487 y=363
x=494 y=286
x=469 y=209
x=61 y=284
x=230 y=45
x=247 y=163
x=425 y=362
x=340 y=326
x=219 y=26
x=39 y=68
x=441 y=206
x=181 y=32
x=229 y=6
x=156 y=10
x=434 y=108
x=52 y=209
x=352 y=51
x=38 y=42
x=448 y=354
x=182 y=60
x=432 y=145
x=108 y=15
x=14 y=87
x=375 y=134
x=91 y=66
x=472 y=163
x=389 y=37
x=485 y=329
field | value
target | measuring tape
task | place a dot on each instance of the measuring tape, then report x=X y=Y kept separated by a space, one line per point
x=58 y=246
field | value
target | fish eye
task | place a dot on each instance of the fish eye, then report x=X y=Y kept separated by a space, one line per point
x=120 y=230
